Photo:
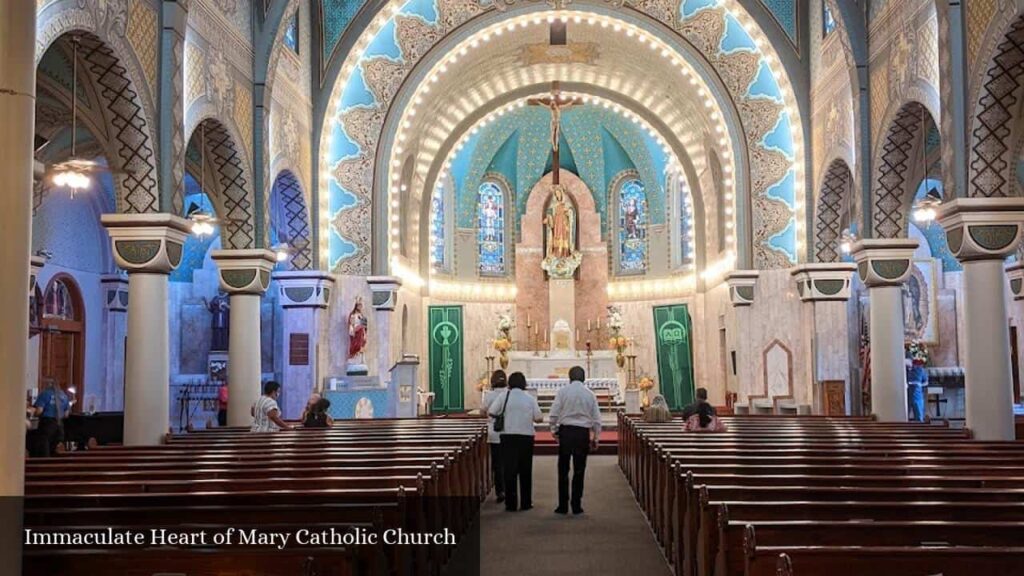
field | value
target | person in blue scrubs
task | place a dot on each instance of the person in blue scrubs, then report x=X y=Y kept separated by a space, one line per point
x=52 y=406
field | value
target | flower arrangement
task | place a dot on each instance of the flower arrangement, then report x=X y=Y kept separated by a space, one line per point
x=502 y=344
x=483 y=384
x=645 y=384
x=617 y=341
x=918 y=352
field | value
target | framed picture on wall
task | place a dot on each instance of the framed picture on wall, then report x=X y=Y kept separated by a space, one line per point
x=920 y=301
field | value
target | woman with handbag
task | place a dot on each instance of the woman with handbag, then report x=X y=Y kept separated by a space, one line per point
x=514 y=413
x=498 y=389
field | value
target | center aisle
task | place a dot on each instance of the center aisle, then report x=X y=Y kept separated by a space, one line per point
x=612 y=537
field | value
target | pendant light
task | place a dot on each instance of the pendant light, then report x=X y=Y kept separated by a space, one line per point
x=69 y=175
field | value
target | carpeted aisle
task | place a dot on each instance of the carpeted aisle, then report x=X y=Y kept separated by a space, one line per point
x=612 y=537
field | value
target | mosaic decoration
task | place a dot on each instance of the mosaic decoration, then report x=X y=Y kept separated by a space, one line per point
x=366 y=95
x=835 y=190
x=233 y=186
x=889 y=195
x=335 y=16
x=784 y=12
x=991 y=164
x=290 y=220
x=632 y=227
x=491 y=229
x=141 y=31
x=137 y=187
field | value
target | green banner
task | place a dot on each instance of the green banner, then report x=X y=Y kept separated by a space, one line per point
x=446 y=357
x=674 y=344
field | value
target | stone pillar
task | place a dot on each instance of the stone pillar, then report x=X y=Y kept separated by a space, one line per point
x=385 y=298
x=981 y=233
x=17 y=128
x=244 y=276
x=115 y=325
x=825 y=289
x=148 y=247
x=305 y=297
x=883 y=266
x=742 y=284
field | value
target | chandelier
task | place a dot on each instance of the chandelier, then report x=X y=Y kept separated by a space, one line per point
x=73 y=174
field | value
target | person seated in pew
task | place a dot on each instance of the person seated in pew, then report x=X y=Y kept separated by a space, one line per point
x=313 y=399
x=266 y=415
x=499 y=383
x=658 y=410
x=704 y=420
x=702 y=400
x=318 y=416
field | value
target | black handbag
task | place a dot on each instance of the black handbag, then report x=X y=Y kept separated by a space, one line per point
x=499 y=420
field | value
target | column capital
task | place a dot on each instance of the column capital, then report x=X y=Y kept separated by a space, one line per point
x=149 y=243
x=741 y=286
x=982 y=228
x=35 y=264
x=385 y=291
x=1015 y=272
x=115 y=292
x=244 y=271
x=305 y=288
x=823 y=281
x=884 y=262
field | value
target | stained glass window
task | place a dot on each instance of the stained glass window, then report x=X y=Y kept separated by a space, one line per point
x=291 y=34
x=437 y=236
x=686 y=243
x=632 y=227
x=58 y=303
x=491 y=229
x=827 y=19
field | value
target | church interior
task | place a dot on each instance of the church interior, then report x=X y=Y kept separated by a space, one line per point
x=807 y=213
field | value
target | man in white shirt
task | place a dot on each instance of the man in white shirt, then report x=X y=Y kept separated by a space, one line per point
x=576 y=423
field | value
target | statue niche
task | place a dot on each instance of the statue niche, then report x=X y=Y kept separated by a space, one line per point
x=561 y=235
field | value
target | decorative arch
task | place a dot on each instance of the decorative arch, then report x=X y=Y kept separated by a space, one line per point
x=62 y=335
x=126 y=126
x=628 y=223
x=902 y=140
x=289 y=216
x=361 y=172
x=836 y=193
x=992 y=165
x=233 y=197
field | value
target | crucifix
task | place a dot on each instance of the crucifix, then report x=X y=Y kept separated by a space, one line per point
x=555 y=102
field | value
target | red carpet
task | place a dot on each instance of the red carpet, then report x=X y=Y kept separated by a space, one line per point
x=544 y=443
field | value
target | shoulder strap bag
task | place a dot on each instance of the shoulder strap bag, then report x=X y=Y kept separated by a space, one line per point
x=499 y=420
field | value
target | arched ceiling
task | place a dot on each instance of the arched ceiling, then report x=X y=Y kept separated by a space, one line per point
x=424 y=79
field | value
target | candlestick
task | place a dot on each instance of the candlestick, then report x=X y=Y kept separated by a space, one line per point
x=588 y=324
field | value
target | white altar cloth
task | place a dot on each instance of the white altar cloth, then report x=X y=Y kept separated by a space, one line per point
x=553 y=384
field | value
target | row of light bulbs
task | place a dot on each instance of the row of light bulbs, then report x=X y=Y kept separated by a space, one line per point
x=647 y=289
x=472 y=291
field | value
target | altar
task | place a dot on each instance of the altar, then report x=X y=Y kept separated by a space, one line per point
x=556 y=365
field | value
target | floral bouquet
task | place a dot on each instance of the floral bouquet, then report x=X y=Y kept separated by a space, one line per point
x=502 y=344
x=614 y=320
x=918 y=352
x=617 y=340
x=645 y=383
x=483 y=384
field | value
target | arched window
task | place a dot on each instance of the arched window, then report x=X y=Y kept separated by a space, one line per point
x=291 y=33
x=685 y=244
x=632 y=227
x=491 y=228
x=58 y=303
x=437 y=230
x=828 y=21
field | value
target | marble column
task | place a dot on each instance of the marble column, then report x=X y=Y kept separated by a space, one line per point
x=305 y=297
x=883 y=266
x=115 y=325
x=244 y=276
x=981 y=233
x=385 y=299
x=825 y=288
x=148 y=247
x=17 y=128
x=742 y=289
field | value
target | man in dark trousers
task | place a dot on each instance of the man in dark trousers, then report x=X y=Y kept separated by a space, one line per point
x=576 y=423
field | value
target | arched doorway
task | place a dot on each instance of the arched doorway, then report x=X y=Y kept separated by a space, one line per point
x=62 y=337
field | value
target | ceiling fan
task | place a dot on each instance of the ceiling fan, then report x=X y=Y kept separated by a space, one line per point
x=74 y=173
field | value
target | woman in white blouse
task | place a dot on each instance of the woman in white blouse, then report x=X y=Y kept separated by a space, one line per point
x=520 y=411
